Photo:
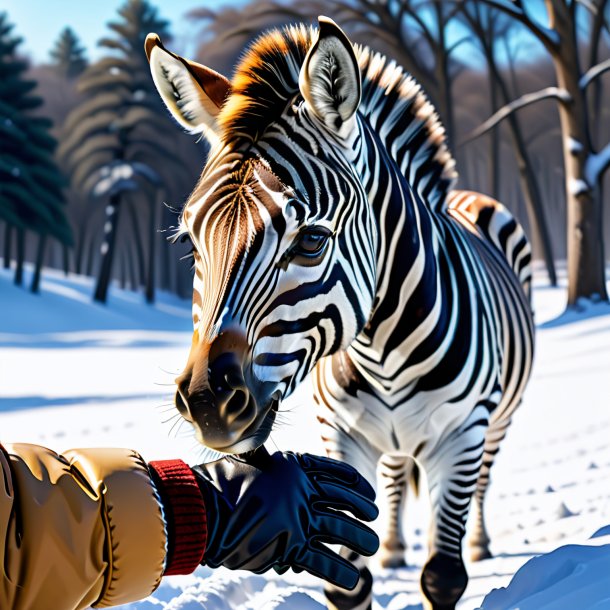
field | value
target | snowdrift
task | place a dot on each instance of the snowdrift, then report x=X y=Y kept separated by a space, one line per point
x=73 y=373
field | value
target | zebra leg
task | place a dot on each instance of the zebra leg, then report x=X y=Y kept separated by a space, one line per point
x=394 y=473
x=478 y=539
x=353 y=449
x=453 y=469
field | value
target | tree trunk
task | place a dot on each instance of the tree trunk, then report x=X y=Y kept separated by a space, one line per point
x=8 y=239
x=137 y=240
x=90 y=257
x=108 y=248
x=20 y=256
x=529 y=185
x=42 y=242
x=65 y=251
x=586 y=263
x=442 y=76
x=123 y=277
x=166 y=252
x=80 y=248
x=152 y=239
x=596 y=89
x=494 y=143
x=533 y=202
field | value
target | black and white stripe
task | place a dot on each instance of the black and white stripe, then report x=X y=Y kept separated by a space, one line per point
x=414 y=319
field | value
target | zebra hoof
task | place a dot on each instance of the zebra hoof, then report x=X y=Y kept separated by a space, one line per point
x=392 y=555
x=360 y=598
x=428 y=605
x=443 y=581
x=480 y=552
x=393 y=561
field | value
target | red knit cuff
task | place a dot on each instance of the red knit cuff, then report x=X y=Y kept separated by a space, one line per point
x=185 y=514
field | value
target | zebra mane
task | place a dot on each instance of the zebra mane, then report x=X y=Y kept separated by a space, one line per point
x=268 y=77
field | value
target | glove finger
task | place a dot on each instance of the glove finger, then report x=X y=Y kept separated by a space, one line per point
x=339 y=496
x=329 y=468
x=326 y=470
x=320 y=561
x=338 y=528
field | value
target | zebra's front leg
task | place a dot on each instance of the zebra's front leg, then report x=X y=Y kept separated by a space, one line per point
x=453 y=470
x=394 y=472
x=353 y=449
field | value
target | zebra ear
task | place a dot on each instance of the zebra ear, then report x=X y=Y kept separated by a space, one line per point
x=330 y=78
x=193 y=93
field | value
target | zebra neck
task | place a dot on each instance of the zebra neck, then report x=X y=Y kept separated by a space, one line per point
x=399 y=111
x=411 y=268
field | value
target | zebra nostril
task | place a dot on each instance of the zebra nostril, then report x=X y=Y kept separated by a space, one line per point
x=235 y=379
x=237 y=402
x=181 y=403
x=236 y=408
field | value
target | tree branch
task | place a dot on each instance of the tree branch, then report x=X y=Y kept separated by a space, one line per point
x=423 y=28
x=525 y=100
x=588 y=5
x=596 y=165
x=595 y=72
x=458 y=43
x=548 y=37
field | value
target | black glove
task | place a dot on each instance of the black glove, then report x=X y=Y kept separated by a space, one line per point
x=277 y=510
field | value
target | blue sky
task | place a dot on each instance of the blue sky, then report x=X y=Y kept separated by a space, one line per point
x=39 y=22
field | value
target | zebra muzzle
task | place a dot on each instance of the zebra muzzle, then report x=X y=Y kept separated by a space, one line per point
x=213 y=394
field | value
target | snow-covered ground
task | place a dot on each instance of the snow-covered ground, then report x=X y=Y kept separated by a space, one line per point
x=77 y=374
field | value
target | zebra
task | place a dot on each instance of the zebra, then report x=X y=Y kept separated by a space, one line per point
x=327 y=239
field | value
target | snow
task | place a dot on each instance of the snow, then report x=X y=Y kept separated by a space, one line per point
x=575 y=574
x=74 y=373
x=574 y=146
x=594 y=72
x=119 y=176
x=577 y=186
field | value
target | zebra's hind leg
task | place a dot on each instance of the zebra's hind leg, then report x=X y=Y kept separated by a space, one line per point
x=394 y=472
x=452 y=468
x=478 y=538
x=353 y=449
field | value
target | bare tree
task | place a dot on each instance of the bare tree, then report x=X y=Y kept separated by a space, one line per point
x=411 y=33
x=489 y=31
x=584 y=166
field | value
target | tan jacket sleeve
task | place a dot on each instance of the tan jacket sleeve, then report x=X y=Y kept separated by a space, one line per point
x=79 y=529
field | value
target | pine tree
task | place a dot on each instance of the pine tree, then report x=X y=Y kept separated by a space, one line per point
x=31 y=185
x=118 y=140
x=68 y=55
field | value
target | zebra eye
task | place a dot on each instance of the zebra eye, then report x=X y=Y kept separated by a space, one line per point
x=312 y=242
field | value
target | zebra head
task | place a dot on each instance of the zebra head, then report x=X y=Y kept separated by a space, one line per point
x=283 y=237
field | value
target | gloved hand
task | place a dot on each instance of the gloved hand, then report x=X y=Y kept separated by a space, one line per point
x=277 y=510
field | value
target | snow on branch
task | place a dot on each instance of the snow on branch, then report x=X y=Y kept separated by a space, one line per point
x=547 y=36
x=590 y=75
x=597 y=164
x=118 y=176
x=525 y=100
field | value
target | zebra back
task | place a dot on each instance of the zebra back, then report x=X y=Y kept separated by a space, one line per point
x=499 y=226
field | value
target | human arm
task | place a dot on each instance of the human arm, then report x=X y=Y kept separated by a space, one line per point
x=100 y=527
x=78 y=529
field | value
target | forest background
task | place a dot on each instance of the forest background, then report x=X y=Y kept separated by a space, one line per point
x=93 y=173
